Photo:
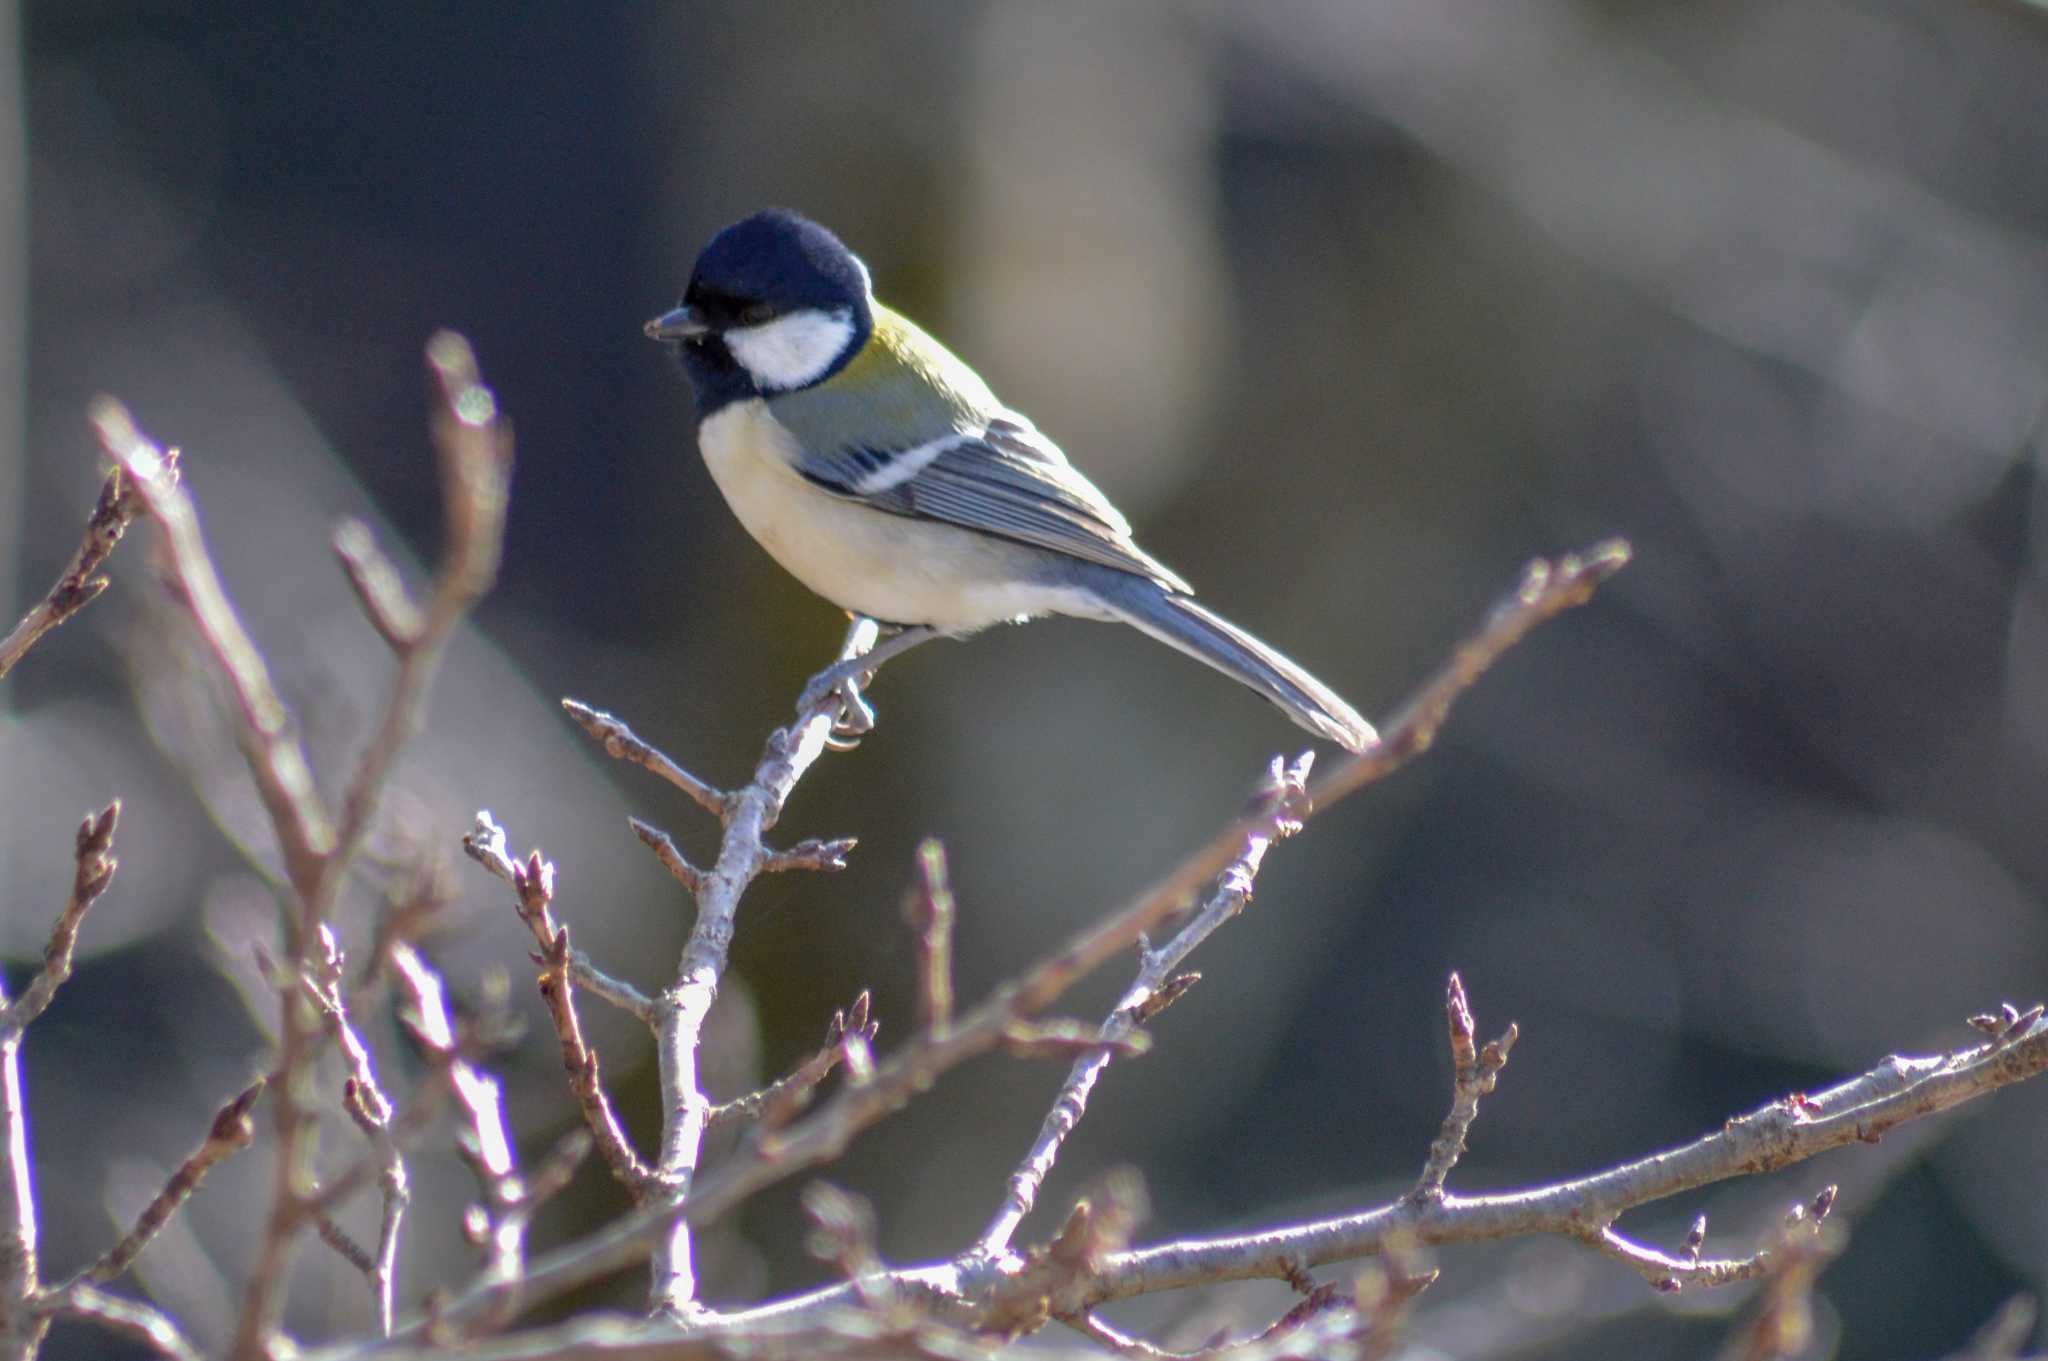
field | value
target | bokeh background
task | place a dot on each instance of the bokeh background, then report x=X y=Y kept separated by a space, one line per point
x=1354 y=305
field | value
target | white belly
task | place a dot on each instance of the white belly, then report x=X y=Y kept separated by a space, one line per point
x=889 y=567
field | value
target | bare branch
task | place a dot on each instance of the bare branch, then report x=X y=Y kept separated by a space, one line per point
x=345 y=1247
x=269 y=738
x=812 y=853
x=1778 y=1135
x=622 y=744
x=672 y=859
x=231 y=1131
x=780 y=1101
x=130 y=1318
x=1781 y=1321
x=1473 y=1073
x=77 y=587
x=474 y=448
x=484 y=1140
x=21 y=1328
x=475 y=451
x=1547 y=589
x=364 y=1100
x=534 y=884
x=1321 y=1324
x=929 y=912
x=743 y=854
x=94 y=870
x=378 y=587
x=1276 y=804
x=617 y=991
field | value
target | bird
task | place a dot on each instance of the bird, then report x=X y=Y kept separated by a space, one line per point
x=883 y=473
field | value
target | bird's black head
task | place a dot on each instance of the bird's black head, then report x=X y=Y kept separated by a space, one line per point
x=775 y=304
x=774 y=263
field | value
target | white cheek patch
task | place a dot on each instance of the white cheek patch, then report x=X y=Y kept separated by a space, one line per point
x=794 y=351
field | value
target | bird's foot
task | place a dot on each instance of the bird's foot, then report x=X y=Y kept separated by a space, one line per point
x=842 y=683
x=846 y=679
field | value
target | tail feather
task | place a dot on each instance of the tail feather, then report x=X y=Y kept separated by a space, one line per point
x=1176 y=620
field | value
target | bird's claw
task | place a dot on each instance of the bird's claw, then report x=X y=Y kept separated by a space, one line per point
x=856 y=717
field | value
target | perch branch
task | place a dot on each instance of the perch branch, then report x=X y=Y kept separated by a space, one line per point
x=1547 y=589
x=743 y=854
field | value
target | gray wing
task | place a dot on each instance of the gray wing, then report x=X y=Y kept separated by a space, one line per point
x=1006 y=479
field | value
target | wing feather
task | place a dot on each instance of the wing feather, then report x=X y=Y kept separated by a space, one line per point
x=1005 y=479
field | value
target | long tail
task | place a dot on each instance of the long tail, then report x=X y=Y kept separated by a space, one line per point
x=1176 y=620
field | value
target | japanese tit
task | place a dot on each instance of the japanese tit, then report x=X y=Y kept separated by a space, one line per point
x=884 y=474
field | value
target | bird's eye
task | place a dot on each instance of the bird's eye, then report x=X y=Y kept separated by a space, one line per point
x=754 y=314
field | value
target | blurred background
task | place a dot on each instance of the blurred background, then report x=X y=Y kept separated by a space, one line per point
x=1354 y=306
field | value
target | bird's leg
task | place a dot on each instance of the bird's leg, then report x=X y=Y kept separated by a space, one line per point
x=847 y=678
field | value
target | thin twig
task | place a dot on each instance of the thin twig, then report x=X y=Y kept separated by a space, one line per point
x=1548 y=588
x=774 y=1105
x=379 y=589
x=928 y=910
x=484 y=1140
x=1781 y=1318
x=93 y=870
x=131 y=1318
x=486 y=844
x=621 y=743
x=475 y=451
x=231 y=1130
x=77 y=587
x=21 y=1327
x=671 y=857
x=284 y=780
x=345 y=1247
x=364 y=1100
x=1474 y=1070
x=818 y=854
x=616 y=991
x=1276 y=807
x=533 y=884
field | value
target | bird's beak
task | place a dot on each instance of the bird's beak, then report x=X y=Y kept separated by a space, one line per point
x=685 y=323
